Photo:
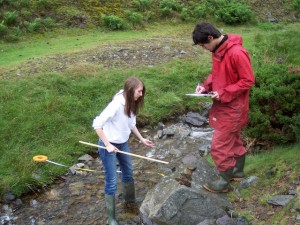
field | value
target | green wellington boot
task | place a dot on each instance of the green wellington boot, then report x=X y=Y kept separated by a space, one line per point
x=238 y=170
x=222 y=185
x=111 y=209
x=128 y=192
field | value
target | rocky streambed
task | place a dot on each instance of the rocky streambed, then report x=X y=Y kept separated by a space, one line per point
x=170 y=194
x=78 y=198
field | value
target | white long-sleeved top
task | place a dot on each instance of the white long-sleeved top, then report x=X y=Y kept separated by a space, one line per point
x=115 y=124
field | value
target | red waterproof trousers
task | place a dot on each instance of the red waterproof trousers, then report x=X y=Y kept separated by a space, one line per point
x=225 y=148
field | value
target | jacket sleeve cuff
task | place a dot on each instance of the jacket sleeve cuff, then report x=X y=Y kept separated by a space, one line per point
x=221 y=94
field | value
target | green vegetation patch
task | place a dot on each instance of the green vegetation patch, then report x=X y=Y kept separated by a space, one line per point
x=275 y=111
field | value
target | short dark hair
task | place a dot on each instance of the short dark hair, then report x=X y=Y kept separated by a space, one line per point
x=202 y=31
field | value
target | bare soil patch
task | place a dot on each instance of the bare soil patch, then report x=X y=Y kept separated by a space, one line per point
x=137 y=53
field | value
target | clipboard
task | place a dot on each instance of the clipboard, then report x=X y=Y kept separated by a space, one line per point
x=199 y=95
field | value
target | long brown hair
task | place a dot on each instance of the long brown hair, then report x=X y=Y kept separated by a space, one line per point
x=132 y=106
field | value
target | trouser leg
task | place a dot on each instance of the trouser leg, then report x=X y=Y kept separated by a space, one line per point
x=125 y=162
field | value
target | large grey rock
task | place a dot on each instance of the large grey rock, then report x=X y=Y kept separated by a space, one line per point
x=171 y=203
x=194 y=119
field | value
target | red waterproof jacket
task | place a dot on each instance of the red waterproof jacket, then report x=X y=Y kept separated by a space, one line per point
x=232 y=77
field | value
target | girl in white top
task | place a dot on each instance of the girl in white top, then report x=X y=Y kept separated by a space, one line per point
x=113 y=126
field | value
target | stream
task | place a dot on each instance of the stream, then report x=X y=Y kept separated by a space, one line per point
x=79 y=199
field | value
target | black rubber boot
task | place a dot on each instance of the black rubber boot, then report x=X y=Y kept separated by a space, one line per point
x=238 y=170
x=222 y=185
x=128 y=192
x=111 y=209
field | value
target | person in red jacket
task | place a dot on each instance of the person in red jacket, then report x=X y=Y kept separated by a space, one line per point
x=230 y=81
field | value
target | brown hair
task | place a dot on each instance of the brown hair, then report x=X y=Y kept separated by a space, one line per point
x=132 y=106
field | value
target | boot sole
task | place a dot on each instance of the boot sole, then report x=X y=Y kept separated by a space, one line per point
x=214 y=191
x=235 y=179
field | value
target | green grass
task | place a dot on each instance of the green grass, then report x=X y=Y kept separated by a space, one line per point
x=277 y=170
x=279 y=162
x=49 y=113
x=75 y=40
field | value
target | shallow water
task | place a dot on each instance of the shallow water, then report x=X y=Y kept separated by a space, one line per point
x=79 y=199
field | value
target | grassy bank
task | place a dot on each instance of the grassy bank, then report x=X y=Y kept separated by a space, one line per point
x=48 y=113
x=278 y=171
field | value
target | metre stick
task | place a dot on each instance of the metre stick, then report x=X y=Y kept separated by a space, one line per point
x=126 y=153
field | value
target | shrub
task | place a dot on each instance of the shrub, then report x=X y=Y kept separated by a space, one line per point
x=200 y=12
x=34 y=26
x=49 y=22
x=24 y=3
x=71 y=16
x=113 y=22
x=296 y=6
x=211 y=6
x=274 y=114
x=174 y=22
x=14 y=35
x=10 y=18
x=43 y=4
x=142 y=5
x=234 y=13
x=185 y=14
x=134 y=18
x=165 y=12
x=275 y=105
x=227 y=11
x=167 y=7
x=3 y=29
x=149 y=16
x=25 y=13
x=14 y=3
x=170 y=4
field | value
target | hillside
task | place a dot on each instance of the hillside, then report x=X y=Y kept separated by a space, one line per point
x=268 y=10
x=24 y=17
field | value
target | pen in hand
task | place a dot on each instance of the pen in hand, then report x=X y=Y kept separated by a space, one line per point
x=199 y=89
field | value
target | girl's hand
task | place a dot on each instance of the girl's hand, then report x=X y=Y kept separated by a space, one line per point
x=147 y=143
x=111 y=148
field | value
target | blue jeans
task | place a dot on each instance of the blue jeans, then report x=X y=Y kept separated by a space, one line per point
x=109 y=162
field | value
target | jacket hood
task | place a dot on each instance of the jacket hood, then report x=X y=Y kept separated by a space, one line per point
x=232 y=40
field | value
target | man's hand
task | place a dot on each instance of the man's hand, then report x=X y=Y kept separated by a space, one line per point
x=199 y=89
x=215 y=95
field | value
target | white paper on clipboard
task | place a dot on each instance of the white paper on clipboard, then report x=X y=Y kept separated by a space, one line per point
x=199 y=95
